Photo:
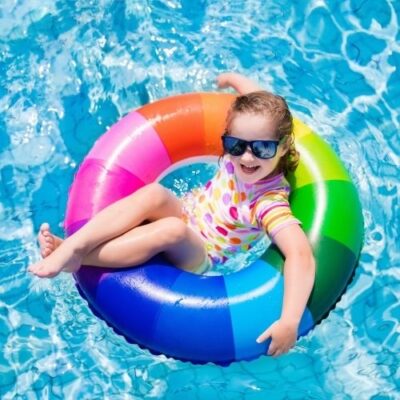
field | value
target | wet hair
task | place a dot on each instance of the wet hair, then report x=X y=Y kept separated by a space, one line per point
x=271 y=106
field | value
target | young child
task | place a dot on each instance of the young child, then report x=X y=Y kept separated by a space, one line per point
x=246 y=199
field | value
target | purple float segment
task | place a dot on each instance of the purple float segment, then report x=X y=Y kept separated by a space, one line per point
x=71 y=229
x=96 y=187
x=133 y=144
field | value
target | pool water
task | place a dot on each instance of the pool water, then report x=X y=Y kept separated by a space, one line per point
x=71 y=69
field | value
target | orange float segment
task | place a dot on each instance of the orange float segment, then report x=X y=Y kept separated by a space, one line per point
x=179 y=122
x=215 y=108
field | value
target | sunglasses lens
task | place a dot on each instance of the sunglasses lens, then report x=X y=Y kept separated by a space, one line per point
x=264 y=148
x=234 y=146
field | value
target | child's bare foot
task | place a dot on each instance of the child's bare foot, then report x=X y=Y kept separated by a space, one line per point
x=63 y=258
x=48 y=241
x=57 y=256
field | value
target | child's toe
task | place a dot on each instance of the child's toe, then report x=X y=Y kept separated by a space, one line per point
x=44 y=227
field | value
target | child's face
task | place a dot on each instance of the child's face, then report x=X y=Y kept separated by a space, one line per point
x=248 y=167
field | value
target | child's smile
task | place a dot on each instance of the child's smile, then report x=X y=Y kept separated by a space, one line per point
x=249 y=169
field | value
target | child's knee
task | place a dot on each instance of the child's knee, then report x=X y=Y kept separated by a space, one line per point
x=174 y=230
x=157 y=196
x=153 y=190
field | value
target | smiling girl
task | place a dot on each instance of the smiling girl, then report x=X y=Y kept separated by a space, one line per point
x=245 y=200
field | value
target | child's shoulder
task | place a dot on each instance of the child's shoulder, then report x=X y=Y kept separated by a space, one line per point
x=276 y=189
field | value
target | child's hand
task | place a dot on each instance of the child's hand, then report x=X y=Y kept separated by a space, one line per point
x=283 y=336
x=225 y=80
x=238 y=82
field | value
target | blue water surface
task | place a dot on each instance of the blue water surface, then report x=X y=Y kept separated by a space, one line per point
x=70 y=69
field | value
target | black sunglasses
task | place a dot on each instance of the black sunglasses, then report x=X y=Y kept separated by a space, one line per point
x=263 y=149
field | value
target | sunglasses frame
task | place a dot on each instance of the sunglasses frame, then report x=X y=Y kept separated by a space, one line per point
x=250 y=143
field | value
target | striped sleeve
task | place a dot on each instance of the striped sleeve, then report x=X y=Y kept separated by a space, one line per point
x=273 y=212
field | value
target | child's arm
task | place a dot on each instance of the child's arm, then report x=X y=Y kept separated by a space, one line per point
x=238 y=82
x=299 y=274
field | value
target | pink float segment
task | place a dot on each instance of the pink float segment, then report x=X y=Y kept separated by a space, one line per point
x=133 y=144
x=98 y=187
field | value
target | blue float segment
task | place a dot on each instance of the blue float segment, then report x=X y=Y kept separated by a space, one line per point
x=307 y=322
x=130 y=299
x=196 y=323
x=255 y=296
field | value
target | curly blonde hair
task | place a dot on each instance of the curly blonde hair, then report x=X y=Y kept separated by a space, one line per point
x=275 y=107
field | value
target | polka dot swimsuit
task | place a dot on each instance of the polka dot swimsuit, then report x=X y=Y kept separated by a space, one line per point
x=232 y=216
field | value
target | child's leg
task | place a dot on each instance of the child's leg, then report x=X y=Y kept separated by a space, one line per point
x=171 y=236
x=149 y=203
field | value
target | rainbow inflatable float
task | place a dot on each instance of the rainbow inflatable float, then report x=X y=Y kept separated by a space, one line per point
x=209 y=318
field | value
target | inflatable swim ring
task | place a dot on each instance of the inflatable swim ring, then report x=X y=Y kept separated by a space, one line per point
x=209 y=318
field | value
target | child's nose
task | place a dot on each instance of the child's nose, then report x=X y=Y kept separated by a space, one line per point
x=248 y=154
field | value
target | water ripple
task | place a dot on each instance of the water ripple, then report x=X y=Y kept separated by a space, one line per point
x=71 y=69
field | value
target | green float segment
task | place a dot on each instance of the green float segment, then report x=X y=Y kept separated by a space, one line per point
x=331 y=209
x=331 y=216
x=318 y=162
x=335 y=265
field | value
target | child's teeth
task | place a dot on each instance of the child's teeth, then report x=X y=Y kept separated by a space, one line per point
x=249 y=169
